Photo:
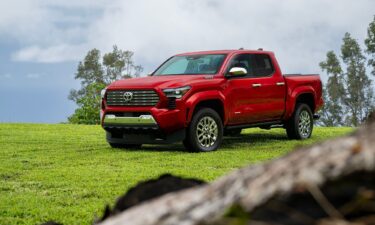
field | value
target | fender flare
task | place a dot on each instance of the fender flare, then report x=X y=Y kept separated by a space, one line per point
x=198 y=97
x=293 y=96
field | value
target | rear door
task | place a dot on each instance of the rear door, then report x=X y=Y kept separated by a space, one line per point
x=268 y=90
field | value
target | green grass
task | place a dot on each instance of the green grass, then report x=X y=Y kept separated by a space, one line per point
x=68 y=173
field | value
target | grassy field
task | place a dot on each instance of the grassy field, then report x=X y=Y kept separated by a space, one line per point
x=68 y=173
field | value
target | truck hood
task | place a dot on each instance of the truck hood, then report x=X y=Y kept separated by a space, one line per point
x=160 y=81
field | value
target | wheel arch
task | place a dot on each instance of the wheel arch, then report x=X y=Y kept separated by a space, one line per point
x=306 y=98
x=209 y=99
x=214 y=104
x=303 y=94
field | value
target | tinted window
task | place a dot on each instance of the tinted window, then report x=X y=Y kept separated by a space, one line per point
x=242 y=60
x=262 y=65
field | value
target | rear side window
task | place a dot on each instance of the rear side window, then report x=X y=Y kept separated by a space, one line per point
x=262 y=65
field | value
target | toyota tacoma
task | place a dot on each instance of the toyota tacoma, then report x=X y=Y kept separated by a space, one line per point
x=199 y=97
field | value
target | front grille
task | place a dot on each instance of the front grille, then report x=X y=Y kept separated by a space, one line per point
x=139 y=98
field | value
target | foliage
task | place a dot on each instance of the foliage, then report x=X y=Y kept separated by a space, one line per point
x=95 y=73
x=370 y=44
x=68 y=173
x=119 y=64
x=349 y=96
x=87 y=112
x=359 y=93
x=333 y=91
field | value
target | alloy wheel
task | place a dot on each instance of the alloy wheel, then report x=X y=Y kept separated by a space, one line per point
x=304 y=124
x=207 y=131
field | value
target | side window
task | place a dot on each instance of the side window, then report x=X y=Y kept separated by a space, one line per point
x=241 y=60
x=262 y=65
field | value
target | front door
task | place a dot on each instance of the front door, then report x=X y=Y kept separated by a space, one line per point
x=259 y=96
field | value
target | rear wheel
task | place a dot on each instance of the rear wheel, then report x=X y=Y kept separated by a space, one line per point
x=127 y=146
x=205 y=131
x=301 y=124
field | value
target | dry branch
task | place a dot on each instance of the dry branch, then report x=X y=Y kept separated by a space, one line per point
x=252 y=186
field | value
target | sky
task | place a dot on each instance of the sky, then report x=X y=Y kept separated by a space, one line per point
x=41 y=41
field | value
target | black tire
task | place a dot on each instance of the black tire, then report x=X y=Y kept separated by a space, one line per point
x=209 y=135
x=233 y=132
x=126 y=146
x=186 y=144
x=301 y=124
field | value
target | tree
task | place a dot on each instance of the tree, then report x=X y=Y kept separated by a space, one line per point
x=359 y=93
x=119 y=64
x=347 y=91
x=370 y=44
x=333 y=92
x=89 y=71
x=95 y=73
x=88 y=111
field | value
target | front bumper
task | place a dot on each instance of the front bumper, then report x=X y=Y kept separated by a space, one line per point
x=165 y=120
x=142 y=120
x=152 y=126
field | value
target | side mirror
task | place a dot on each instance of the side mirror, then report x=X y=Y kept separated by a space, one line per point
x=237 y=72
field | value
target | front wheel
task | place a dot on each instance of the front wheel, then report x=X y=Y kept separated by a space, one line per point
x=205 y=131
x=301 y=124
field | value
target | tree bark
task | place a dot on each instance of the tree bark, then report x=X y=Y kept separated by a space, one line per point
x=253 y=185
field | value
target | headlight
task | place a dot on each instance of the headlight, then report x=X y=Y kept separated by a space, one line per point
x=176 y=92
x=102 y=93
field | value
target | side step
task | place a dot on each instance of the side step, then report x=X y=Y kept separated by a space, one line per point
x=264 y=125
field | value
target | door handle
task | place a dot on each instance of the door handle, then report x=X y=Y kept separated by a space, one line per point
x=280 y=83
x=257 y=85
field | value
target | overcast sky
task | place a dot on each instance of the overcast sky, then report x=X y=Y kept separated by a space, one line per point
x=41 y=41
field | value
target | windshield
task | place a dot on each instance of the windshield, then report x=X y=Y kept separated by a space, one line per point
x=191 y=64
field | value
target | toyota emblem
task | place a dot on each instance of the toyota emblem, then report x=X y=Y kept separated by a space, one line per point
x=128 y=96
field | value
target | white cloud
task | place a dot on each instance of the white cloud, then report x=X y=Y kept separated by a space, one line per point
x=300 y=32
x=58 y=53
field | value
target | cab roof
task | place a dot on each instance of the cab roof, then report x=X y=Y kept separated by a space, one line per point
x=224 y=52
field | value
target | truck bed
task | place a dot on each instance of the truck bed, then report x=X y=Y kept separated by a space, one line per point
x=299 y=74
x=298 y=79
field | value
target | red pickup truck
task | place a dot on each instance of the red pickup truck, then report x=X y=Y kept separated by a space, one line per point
x=199 y=97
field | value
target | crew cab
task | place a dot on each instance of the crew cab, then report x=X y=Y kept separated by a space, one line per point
x=199 y=97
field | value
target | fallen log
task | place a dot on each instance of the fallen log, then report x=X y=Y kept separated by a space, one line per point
x=307 y=169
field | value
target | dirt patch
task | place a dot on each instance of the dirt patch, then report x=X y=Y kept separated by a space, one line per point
x=150 y=189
